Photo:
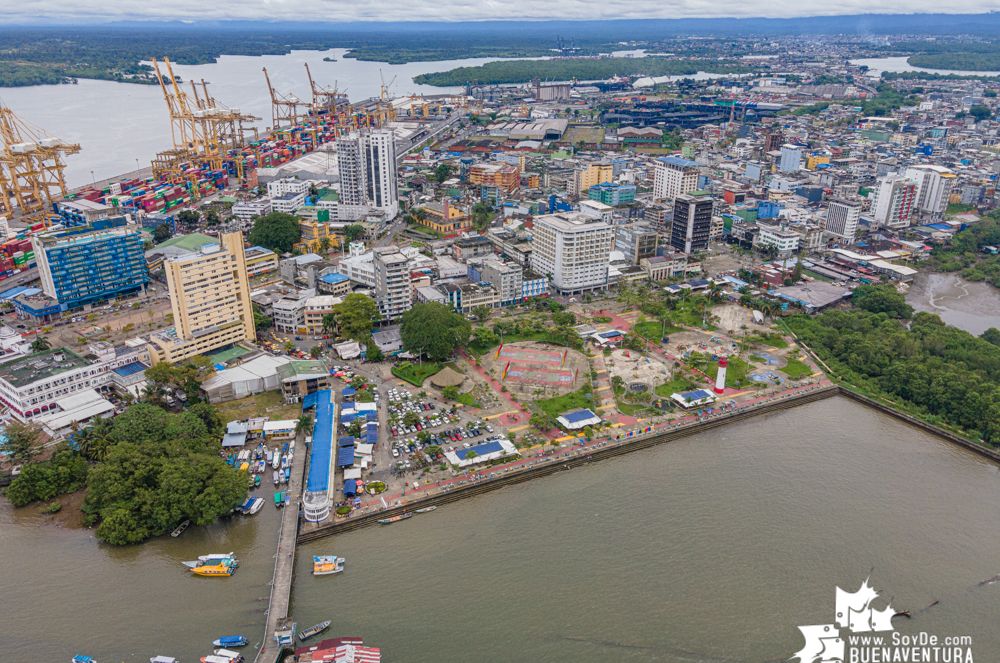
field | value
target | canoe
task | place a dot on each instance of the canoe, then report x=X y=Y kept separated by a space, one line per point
x=180 y=529
x=316 y=629
x=395 y=519
x=426 y=509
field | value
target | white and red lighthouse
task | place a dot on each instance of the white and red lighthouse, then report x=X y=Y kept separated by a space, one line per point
x=720 y=377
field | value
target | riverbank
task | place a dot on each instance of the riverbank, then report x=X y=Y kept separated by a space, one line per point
x=973 y=306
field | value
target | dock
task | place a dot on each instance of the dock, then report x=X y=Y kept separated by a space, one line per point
x=284 y=560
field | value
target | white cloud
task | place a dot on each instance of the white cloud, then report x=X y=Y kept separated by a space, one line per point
x=458 y=10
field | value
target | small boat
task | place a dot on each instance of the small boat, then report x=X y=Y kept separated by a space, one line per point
x=163 y=659
x=288 y=498
x=276 y=476
x=269 y=455
x=324 y=565
x=180 y=529
x=219 y=570
x=80 y=658
x=279 y=499
x=214 y=658
x=256 y=481
x=316 y=629
x=276 y=462
x=426 y=509
x=287 y=475
x=284 y=461
x=256 y=504
x=232 y=656
x=395 y=519
x=230 y=641
x=213 y=560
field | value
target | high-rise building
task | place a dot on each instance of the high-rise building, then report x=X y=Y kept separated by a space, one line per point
x=210 y=301
x=842 y=218
x=572 y=250
x=79 y=268
x=934 y=185
x=592 y=175
x=692 y=223
x=674 y=176
x=791 y=158
x=393 y=290
x=367 y=166
x=893 y=202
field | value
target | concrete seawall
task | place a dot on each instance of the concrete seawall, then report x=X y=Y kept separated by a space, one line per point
x=615 y=449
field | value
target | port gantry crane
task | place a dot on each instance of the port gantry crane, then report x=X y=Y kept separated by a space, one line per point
x=202 y=130
x=284 y=108
x=31 y=169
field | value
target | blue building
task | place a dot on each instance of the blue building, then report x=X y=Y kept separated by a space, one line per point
x=613 y=194
x=85 y=266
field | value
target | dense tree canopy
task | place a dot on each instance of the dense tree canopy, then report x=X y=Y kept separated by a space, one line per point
x=881 y=299
x=276 y=231
x=64 y=473
x=943 y=371
x=434 y=330
x=158 y=469
x=356 y=315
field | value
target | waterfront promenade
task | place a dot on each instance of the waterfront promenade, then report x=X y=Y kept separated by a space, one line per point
x=576 y=452
x=284 y=560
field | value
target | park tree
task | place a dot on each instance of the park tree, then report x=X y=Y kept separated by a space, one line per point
x=276 y=231
x=188 y=218
x=212 y=218
x=40 y=344
x=261 y=322
x=434 y=330
x=162 y=233
x=329 y=323
x=881 y=299
x=442 y=172
x=23 y=442
x=356 y=316
x=372 y=351
x=353 y=232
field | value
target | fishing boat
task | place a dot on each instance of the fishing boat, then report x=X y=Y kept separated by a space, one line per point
x=276 y=462
x=180 y=529
x=395 y=519
x=230 y=655
x=212 y=560
x=276 y=476
x=279 y=499
x=315 y=629
x=230 y=641
x=219 y=570
x=324 y=565
x=215 y=658
x=256 y=504
x=284 y=461
x=269 y=455
x=256 y=481
x=426 y=509
x=80 y=658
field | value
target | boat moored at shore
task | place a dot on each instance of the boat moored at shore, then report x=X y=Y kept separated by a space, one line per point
x=315 y=629
x=395 y=519
x=324 y=565
x=230 y=641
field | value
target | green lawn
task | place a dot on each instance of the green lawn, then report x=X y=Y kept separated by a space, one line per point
x=415 y=374
x=653 y=330
x=736 y=374
x=268 y=404
x=581 y=398
x=769 y=339
x=796 y=369
x=677 y=384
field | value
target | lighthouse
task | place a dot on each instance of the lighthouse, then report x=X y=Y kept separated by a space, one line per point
x=720 y=377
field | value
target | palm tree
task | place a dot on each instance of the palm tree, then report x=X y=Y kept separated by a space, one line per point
x=304 y=424
x=40 y=344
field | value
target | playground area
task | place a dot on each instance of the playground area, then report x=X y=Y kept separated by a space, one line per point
x=536 y=369
x=638 y=372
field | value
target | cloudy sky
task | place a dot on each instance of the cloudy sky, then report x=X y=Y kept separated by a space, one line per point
x=456 y=10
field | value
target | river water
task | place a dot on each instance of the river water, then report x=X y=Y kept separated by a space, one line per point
x=900 y=64
x=712 y=549
x=970 y=305
x=121 y=126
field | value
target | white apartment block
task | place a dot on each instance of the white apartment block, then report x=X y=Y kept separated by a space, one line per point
x=249 y=210
x=289 y=203
x=393 y=289
x=893 y=202
x=934 y=185
x=573 y=250
x=781 y=239
x=842 y=218
x=285 y=185
x=674 y=176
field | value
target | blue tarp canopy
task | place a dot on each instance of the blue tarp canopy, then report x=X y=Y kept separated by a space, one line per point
x=345 y=441
x=350 y=488
x=345 y=456
x=578 y=415
x=310 y=400
x=348 y=418
x=322 y=443
x=349 y=391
